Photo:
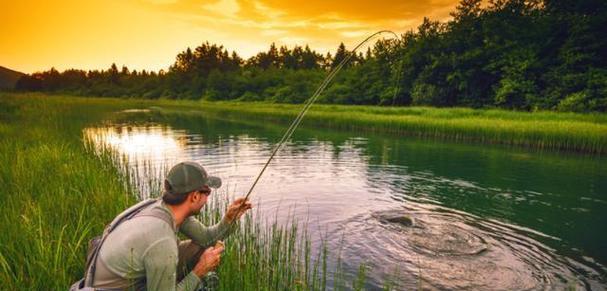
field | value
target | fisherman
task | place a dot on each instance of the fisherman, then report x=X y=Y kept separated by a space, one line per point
x=144 y=251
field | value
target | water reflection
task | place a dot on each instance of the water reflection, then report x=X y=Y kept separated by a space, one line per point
x=484 y=219
x=141 y=144
x=145 y=151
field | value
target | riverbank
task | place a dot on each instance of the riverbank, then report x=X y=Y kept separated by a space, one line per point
x=57 y=194
x=585 y=133
x=542 y=130
x=50 y=171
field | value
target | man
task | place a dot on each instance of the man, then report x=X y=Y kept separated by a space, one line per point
x=144 y=251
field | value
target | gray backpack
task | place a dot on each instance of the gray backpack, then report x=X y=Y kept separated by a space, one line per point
x=86 y=283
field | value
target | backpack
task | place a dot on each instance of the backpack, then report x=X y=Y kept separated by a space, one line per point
x=85 y=284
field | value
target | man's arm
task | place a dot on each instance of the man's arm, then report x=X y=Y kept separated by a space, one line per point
x=160 y=261
x=205 y=236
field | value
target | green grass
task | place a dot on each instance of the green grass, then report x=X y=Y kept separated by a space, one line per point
x=575 y=132
x=56 y=194
x=586 y=133
x=544 y=130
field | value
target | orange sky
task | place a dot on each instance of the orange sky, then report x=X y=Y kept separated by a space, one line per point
x=147 y=34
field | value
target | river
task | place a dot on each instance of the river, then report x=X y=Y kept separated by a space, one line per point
x=482 y=217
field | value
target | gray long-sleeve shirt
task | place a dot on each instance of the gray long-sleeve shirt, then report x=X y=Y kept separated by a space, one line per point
x=143 y=251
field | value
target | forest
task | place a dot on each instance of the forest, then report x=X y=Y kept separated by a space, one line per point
x=511 y=54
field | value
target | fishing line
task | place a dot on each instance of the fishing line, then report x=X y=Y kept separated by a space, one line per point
x=311 y=101
x=305 y=109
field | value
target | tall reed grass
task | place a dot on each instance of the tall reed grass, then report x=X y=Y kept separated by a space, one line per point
x=57 y=192
x=543 y=130
x=55 y=195
x=548 y=130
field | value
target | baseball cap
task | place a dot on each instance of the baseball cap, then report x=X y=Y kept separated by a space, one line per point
x=186 y=177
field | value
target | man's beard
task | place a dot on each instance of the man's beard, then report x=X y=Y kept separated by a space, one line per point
x=196 y=212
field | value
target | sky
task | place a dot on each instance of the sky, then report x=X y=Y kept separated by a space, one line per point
x=36 y=35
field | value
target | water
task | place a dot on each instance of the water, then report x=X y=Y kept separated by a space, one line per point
x=484 y=217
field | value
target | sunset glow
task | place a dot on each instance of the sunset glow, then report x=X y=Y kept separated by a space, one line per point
x=147 y=34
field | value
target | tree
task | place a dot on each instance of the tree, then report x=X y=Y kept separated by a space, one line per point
x=340 y=55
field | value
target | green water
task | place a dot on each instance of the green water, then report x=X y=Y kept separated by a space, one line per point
x=536 y=219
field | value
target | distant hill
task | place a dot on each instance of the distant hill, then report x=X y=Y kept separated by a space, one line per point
x=8 y=78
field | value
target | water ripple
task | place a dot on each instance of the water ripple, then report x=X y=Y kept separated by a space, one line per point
x=475 y=234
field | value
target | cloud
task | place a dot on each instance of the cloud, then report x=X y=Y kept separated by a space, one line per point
x=322 y=24
x=147 y=34
x=352 y=9
x=356 y=33
x=227 y=8
x=320 y=12
x=272 y=32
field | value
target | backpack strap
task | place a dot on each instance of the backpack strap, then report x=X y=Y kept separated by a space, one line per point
x=131 y=212
x=158 y=213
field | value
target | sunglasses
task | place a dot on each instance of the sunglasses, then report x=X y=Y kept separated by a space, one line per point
x=205 y=191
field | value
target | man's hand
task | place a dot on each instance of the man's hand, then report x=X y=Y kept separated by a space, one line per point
x=237 y=209
x=209 y=260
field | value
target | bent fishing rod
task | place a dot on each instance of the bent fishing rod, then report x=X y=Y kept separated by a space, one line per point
x=311 y=101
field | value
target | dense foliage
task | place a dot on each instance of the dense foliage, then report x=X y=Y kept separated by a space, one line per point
x=516 y=54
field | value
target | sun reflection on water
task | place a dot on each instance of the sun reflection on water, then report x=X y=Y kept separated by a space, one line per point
x=142 y=149
x=139 y=143
x=344 y=186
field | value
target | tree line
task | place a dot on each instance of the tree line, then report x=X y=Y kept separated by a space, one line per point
x=516 y=54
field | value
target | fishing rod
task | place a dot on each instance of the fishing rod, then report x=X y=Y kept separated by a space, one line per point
x=311 y=101
x=305 y=109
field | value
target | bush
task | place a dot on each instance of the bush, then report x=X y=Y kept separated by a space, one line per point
x=575 y=102
x=250 y=96
x=426 y=94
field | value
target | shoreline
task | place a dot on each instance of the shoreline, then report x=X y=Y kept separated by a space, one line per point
x=550 y=131
x=58 y=194
x=545 y=130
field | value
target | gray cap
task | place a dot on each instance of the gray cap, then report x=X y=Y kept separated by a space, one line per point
x=186 y=177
